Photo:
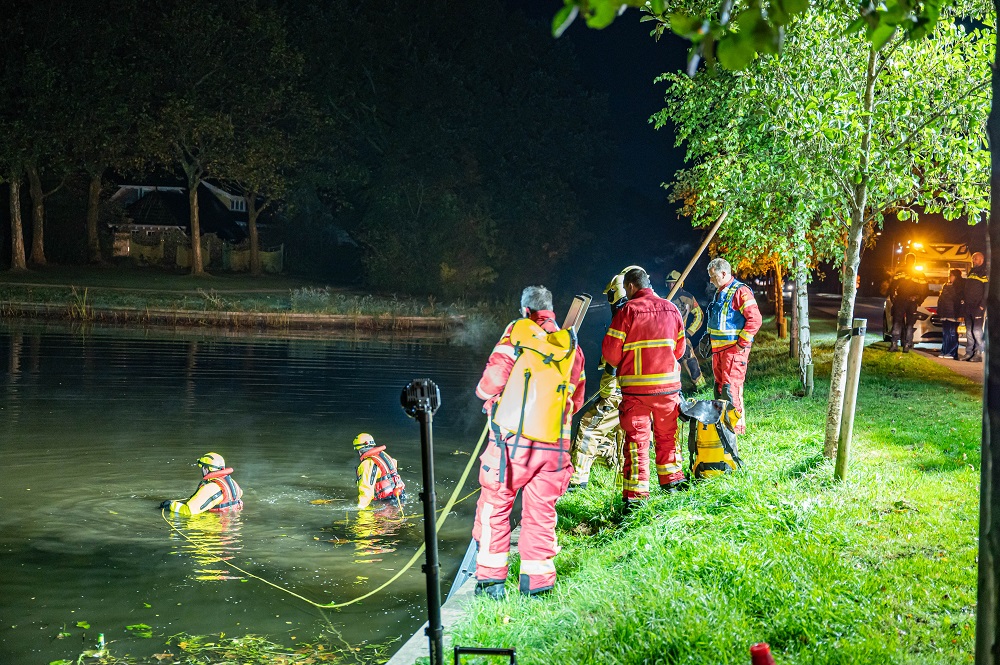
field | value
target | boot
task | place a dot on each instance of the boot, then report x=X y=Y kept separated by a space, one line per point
x=978 y=358
x=906 y=349
x=894 y=347
x=676 y=486
x=494 y=590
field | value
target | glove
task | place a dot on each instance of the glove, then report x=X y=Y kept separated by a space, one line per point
x=165 y=505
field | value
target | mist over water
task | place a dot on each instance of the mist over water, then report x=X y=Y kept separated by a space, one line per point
x=98 y=426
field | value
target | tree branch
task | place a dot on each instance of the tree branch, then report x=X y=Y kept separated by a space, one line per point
x=934 y=116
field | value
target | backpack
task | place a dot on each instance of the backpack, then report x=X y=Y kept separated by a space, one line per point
x=712 y=441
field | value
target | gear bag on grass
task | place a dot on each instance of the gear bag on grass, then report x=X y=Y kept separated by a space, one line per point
x=712 y=441
x=533 y=403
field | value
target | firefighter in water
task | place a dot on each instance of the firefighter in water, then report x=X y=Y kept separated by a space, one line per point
x=644 y=343
x=907 y=291
x=217 y=491
x=733 y=320
x=532 y=385
x=378 y=475
x=600 y=434
x=692 y=316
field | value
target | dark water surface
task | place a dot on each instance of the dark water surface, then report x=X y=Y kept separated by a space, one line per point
x=98 y=426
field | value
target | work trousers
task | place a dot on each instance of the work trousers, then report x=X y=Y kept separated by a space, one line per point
x=949 y=338
x=600 y=435
x=729 y=365
x=642 y=417
x=974 y=317
x=904 y=318
x=689 y=363
x=541 y=473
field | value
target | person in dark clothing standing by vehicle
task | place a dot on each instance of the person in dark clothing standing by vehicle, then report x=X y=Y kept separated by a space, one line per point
x=949 y=311
x=976 y=287
x=906 y=291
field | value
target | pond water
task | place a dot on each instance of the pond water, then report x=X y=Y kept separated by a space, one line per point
x=98 y=426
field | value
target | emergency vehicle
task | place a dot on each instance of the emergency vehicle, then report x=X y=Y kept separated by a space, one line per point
x=935 y=260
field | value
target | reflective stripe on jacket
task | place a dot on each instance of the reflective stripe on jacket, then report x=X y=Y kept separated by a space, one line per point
x=976 y=286
x=733 y=316
x=644 y=342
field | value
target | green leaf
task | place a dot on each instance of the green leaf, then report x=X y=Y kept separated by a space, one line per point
x=657 y=6
x=735 y=53
x=140 y=630
x=881 y=35
x=856 y=25
x=82 y=624
x=685 y=25
x=602 y=13
x=796 y=6
x=903 y=215
x=563 y=19
x=62 y=661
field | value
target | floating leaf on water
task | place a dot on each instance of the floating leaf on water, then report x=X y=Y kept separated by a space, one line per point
x=320 y=502
x=146 y=605
x=140 y=630
x=112 y=512
x=82 y=624
x=163 y=656
x=61 y=662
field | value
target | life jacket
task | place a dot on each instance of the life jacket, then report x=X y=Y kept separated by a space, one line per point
x=388 y=484
x=533 y=402
x=712 y=439
x=725 y=321
x=232 y=493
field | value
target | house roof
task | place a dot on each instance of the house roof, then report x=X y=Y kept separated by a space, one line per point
x=170 y=208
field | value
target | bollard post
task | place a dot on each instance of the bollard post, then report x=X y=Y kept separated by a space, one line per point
x=421 y=400
x=850 y=396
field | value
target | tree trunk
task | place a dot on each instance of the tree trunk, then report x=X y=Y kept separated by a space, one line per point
x=779 y=300
x=793 y=331
x=988 y=602
x=252 y=213
x=852 y=258
x=17 y=261
x=802 y=314
x=37 y=216
x=93 y=199
x=194 y=182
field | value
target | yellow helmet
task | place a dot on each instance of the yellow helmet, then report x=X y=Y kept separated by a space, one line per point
x=615 y=290
x=213 y=461
x=673 y=277
x=363 y=440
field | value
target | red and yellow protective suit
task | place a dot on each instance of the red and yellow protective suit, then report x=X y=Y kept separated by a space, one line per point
x=733 y=320
x=378 y=477
x=644 y=342
x=511 y=463
x=217 y=492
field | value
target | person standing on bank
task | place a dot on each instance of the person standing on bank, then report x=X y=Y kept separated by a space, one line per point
x=643 y=346
x=692 y=316
x=949 y=311
x=907 y=291
x=532 y=385
x=733 y=320
x=976 y=287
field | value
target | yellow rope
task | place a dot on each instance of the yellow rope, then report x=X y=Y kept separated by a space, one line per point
x=409 y=564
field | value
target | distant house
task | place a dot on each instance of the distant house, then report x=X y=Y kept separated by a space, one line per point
x=156 y=209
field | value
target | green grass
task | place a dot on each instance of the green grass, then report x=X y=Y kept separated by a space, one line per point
x=877 y=569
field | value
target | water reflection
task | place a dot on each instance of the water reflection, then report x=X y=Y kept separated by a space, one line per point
x=210 y=539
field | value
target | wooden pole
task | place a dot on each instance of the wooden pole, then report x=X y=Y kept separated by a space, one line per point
x=697 y=255
x=850 y=396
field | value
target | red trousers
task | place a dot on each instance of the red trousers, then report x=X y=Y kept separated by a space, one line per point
x=643 y=416
x=730 y=368
x=541 y=473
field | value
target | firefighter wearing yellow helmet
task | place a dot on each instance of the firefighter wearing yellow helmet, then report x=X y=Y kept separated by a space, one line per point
x=692 y=316
x=217 y=492
x=600 y=434
x=378 y=474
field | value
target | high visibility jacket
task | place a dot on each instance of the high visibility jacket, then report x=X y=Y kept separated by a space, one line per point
x=691 y=313
x=733 y=316
x=378 y=477
x=538 y=407
x=644 y=342
x=908 y=285
x=217 y=492
x=976 y=286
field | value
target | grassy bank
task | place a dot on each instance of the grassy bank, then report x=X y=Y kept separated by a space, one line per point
x=878 y=569
x=128 y=294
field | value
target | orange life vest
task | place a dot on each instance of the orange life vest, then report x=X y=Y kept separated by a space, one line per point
x=232 y=493
x=388 y=484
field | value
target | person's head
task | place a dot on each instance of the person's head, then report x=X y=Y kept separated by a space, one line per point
x=672 y=279
x=535 y=299
x=363 y=442
x=615 y=291
x=719 y=272
x=635 y=278
x=210 y=462
x=954 y=274
x=910 y=260
x=978 y=259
